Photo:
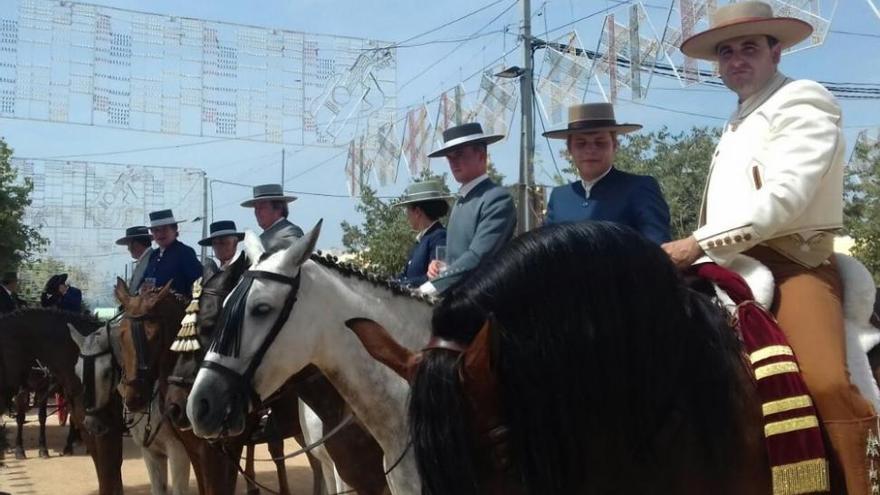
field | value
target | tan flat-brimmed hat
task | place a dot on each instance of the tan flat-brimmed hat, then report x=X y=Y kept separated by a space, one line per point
x=591 y=117
x=745 y=19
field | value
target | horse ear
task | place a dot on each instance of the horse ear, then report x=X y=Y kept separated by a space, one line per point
x=121 y=291
x=164 y=290
x=299 y=252
x=253 y=247
x=77 y=337
x=383 y=348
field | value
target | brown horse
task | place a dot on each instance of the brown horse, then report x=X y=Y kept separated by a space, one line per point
x=41 y=384
x=577 y=361
x=42 y=334
x=356 y=455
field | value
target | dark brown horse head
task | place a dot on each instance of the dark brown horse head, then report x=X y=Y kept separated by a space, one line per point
x=215 y=287
x=151 y=321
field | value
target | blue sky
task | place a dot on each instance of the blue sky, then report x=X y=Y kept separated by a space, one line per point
x=843 y=58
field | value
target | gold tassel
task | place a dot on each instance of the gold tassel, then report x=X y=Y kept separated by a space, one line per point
x=801 y=477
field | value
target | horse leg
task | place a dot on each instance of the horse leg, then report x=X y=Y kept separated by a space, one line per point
x=157 y=471
x=324 y=479
x=21 y=407
x=179 y=464
x=250 y=474
x=41 y=414
x=276 y=450
x=72 y=435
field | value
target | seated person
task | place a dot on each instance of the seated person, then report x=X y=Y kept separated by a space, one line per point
x=172 y=260
x=425 y=203
x=58 y=294
x=604 y=192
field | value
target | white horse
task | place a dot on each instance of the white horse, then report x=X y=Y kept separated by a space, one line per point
x=271 y=338
x=96 y=370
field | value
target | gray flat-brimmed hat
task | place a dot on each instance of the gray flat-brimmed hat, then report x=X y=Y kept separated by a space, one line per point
x=591 y=117
x=139 y=232
x=162 y=217
x=464 y=134
x=418 y=192
x=221 y=228
x=271 y=192
x=745 y=19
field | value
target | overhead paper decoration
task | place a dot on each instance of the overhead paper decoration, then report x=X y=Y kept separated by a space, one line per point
x=357 y=167
x=563 y=79
x=450 y=112
x=417 y=140
x=808 y=11
x=387 y=154
x=869 y=141
x=496 y=106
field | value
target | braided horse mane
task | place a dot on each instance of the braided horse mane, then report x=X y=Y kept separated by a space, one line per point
x=377 y=279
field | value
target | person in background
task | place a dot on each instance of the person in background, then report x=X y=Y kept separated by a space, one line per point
x=224 y=239
x=139 y=243
x=425 y=203
x=271 y=209
x=604 y=192
x=59 y=294
x=9 y=300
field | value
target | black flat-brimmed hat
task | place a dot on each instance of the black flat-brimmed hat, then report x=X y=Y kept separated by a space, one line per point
x=221 y=228
x=591 y=117
x=139 y=233
x=418 y=192
x=271 y=192
x=464 y=134
x=9 y=277
x=745 y=19
x=55 y=281
x=162 y=217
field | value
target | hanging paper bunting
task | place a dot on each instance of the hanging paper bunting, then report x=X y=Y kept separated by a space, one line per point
x=417 y=140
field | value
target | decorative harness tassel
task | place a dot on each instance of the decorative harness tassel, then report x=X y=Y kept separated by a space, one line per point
x=791 y=427
x=187 y=338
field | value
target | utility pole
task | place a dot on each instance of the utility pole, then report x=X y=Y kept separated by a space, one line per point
x=282 y=168
x=204 y=213
x=527 y=125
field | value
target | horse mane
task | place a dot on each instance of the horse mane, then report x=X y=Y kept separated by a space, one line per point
x=614 y=377
x=83 y=318
x=376 y=279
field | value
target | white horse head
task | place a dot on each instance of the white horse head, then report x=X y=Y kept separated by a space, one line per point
x=290 y=311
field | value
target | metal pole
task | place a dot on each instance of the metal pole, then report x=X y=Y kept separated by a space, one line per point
x=527 y=125
x=282 y=168
x=204 y=213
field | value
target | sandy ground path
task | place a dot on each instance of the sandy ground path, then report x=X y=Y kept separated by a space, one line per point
x=75 y=475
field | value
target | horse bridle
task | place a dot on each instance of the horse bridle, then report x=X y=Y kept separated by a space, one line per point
x=242 y=382
x=88 y=379
x=141 y=352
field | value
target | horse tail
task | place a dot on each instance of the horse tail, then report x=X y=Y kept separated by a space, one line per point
x=438 y=427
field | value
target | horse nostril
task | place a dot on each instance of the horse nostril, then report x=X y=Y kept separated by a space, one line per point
x=174 y=412
x=203 y=409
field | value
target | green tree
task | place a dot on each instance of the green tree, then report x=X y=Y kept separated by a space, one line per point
x=382 y=242
x=18 y=241
x=680 y=163
x=862 y=204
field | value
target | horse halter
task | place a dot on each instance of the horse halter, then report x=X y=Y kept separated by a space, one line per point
x=242 y=381
x=141 y=352
x=88 y=378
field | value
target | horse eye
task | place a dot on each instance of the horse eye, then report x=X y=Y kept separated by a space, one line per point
x=261 y=309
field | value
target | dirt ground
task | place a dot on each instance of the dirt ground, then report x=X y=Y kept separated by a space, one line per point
x=75 y=475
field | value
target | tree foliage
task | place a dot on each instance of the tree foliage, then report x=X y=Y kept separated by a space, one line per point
x=382 y=242
x=18 y=241
x=680 y=163
x=862 y=204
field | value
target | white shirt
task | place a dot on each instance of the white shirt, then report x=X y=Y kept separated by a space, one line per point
x=466 y=188
x=588 y=184
x=224 y=266
x=7 y=290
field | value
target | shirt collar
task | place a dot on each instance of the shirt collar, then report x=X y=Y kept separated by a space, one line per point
x=422 y=233
x=467 y=188
x=750 y=104
x=6 y=289
x=276 y=222
x=588 y=184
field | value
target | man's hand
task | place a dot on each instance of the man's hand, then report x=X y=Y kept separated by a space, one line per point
x=434 y=269
x=683 y=252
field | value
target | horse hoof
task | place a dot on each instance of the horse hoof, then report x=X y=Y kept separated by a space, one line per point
x=44 y=453
x=19 y=453
x=68 y=450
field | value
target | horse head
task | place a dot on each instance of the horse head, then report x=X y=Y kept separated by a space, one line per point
x=98 y=372
x=251 y=318
x=145 y=332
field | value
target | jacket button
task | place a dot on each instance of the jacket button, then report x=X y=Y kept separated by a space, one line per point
x=738 y=238
x=710 y=244
x=748 y=237
x=728 y=240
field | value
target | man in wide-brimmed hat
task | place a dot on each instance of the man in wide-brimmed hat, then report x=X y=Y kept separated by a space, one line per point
x=9 y=300
x=425 y=203
x=224 y=239
x=59 y=294
x=270 y=205
x=604 y=192
x=139 y=243
x=483 y=217
x=775 y=193
x=172 y=260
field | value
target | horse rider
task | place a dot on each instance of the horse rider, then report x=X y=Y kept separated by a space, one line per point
x=483 y=217
x=775 y=193
x=271 y=209
x=59 y=294
x=604 y=192
x=224 y=239
x=425 y=203
x=139 y=243
x=173 y=260
x=9 y=300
